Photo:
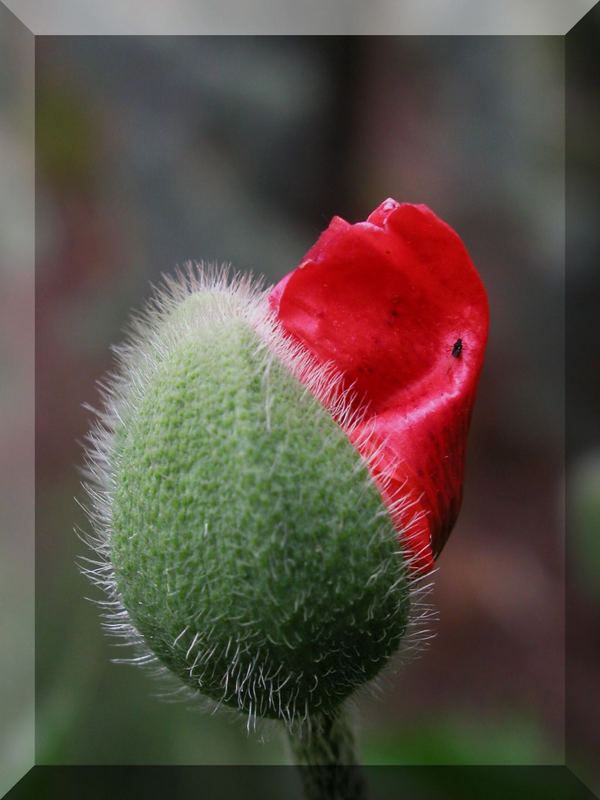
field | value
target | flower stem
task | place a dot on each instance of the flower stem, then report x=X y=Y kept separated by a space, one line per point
x=324 y=749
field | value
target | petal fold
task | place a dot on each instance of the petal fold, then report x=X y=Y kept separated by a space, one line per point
x=397 y=306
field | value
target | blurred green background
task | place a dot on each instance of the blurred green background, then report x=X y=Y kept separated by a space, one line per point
x=154 y=150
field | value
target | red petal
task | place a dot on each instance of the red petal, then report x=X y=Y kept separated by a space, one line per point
x=396 y=304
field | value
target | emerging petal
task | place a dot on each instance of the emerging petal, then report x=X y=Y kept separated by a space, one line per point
x=397 y=306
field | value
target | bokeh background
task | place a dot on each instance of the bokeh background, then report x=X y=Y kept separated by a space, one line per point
x=17 y=411
x=154 y=150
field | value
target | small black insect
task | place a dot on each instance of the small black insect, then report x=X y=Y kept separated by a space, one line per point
x=457 y=348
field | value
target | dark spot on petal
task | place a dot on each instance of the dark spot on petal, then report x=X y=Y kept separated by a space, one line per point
x=457 y=348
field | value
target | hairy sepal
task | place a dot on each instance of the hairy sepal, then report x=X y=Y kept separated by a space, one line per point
x=240 y=539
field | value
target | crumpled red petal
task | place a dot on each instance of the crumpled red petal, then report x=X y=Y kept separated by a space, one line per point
x=397 y=306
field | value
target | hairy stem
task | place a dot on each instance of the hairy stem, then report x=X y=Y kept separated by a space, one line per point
x=324 y=749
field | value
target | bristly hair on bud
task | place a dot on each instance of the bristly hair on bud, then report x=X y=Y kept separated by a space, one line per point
x=239 y=537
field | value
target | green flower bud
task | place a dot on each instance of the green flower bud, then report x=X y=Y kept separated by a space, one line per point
x=244 y=546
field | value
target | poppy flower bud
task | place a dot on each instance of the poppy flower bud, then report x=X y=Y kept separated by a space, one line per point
x=273 y=472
